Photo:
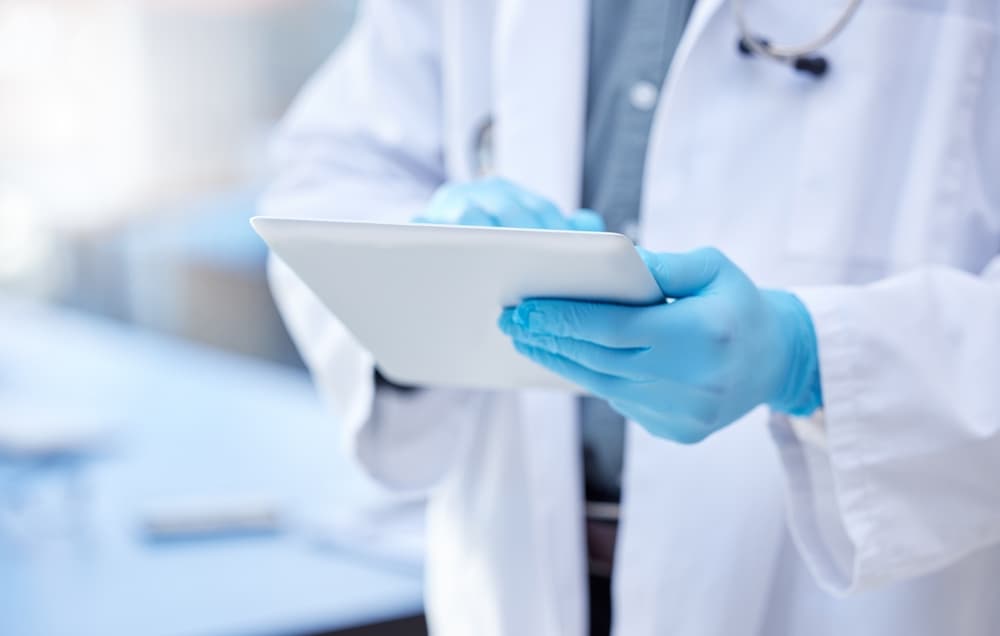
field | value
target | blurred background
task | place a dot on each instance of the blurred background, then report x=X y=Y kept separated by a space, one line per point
x=133 y=138
x=165 y=466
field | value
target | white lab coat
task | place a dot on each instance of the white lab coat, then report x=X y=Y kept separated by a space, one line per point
x=874 y=193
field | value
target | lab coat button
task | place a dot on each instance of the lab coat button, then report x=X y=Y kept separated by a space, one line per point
x=643 y=95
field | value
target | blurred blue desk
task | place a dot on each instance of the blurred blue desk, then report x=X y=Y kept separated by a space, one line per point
x=195 y=421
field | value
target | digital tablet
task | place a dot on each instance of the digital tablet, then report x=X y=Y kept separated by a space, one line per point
x=424 y=299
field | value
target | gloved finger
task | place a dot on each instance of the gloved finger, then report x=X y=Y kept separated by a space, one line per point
x=681 y=341
x=478 y=217
x=582 y=220
x=507 y=211
x=597 y=383
x=609 y=325
x=506 y=201
x=447 y=203
x=546 y=211
x=689 y=400
x=586 y=221
x=675 y=427
x=503 y=200
x=514 y=215
x=444 y=194
x=681 y=275
x=623 y=363
x=684 y=341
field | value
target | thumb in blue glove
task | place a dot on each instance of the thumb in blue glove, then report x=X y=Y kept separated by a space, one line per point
x=687 y=368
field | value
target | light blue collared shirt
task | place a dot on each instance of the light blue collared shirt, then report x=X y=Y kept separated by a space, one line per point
x=632 y=43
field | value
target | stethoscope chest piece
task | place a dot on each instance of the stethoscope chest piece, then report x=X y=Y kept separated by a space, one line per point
x=815 y=65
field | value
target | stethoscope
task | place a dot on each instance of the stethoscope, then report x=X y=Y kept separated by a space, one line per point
x=805 y=57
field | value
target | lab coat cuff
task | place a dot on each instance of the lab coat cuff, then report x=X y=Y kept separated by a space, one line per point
x=833 y=510
x=406 y=441
x=413 y=440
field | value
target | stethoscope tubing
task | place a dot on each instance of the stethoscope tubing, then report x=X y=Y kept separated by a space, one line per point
x=790 y=53
x=482 y=141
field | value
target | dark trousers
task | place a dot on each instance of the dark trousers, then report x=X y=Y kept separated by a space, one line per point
x=600 y=606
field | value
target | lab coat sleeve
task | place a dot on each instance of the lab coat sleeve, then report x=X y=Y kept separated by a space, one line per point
x=897 y=475
x=363 y=142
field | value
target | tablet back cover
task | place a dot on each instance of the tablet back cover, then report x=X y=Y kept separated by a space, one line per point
x=424 y=299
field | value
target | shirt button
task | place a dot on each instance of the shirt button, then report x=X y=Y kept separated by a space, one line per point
x=643 y=95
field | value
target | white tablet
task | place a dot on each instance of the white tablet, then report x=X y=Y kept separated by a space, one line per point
x=424 y=299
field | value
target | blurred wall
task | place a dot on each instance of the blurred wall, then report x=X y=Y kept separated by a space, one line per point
x=133 y=142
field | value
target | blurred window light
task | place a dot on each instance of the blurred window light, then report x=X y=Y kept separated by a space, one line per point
x=30 y=35
x=223 y=6
x=110 y=107
x=73 y=128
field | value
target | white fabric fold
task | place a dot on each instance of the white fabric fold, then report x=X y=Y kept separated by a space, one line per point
x=906 y=481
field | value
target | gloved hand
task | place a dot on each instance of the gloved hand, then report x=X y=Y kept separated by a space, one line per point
x=500 y=203
x=687 y=368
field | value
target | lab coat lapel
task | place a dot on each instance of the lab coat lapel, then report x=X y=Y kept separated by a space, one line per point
x=701 y=14
x=690 y=511
x=540 y=100
x=540 y=83
x=540 y=89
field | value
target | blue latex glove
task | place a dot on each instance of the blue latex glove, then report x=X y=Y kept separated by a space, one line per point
x=687 y=368
x=500 y=203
